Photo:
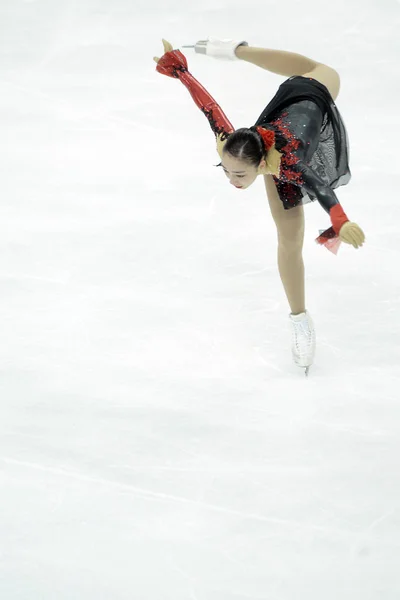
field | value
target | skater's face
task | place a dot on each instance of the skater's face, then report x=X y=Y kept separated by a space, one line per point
x=240 y=173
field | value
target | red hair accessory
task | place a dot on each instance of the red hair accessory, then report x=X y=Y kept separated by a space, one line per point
x=268 y=137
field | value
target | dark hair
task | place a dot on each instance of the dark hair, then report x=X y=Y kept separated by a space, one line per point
x=246 y=144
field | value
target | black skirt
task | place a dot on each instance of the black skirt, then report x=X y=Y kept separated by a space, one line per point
x=307 y=106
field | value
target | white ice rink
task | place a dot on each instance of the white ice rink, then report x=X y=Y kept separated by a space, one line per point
x=156 y=442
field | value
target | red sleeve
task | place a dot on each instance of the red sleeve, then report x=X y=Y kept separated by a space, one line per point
x=174 y=64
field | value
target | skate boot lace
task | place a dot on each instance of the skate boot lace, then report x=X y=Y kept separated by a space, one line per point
x=303 y=337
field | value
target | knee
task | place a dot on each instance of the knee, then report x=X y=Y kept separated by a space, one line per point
x=334 y=84
x=331 y=79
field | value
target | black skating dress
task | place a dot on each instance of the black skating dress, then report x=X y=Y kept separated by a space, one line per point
x=312 y=137
x=309 y=133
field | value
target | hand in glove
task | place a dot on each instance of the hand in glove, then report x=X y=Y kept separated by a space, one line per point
x=351 y=233
x=171 y=62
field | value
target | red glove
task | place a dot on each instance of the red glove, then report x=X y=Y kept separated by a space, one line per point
x=171 y=63
x=338 y=218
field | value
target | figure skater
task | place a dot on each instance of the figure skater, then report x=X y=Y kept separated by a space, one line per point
x=298 y=144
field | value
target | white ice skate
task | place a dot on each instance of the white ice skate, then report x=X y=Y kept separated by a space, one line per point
x=303 y=340
x=218 y=48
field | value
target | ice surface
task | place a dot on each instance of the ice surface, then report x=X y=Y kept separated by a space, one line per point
x=156 y=442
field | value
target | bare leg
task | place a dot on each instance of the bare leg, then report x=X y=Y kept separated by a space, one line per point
x=290 y=227
x=277 y=61
x=289 y=64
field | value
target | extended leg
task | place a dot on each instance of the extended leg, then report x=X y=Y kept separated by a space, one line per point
x=289 y=64
x=277 y=61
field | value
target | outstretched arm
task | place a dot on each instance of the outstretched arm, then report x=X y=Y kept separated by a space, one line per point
x=174 y=64
x=342 y=227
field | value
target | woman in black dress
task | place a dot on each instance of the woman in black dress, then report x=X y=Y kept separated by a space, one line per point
x=298 y=144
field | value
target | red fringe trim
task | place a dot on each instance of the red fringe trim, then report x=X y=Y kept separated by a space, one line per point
x=329 y=239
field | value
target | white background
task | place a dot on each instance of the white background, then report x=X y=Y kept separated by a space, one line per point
x=156 y=441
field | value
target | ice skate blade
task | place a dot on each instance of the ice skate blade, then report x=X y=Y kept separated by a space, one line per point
x=306 y=368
